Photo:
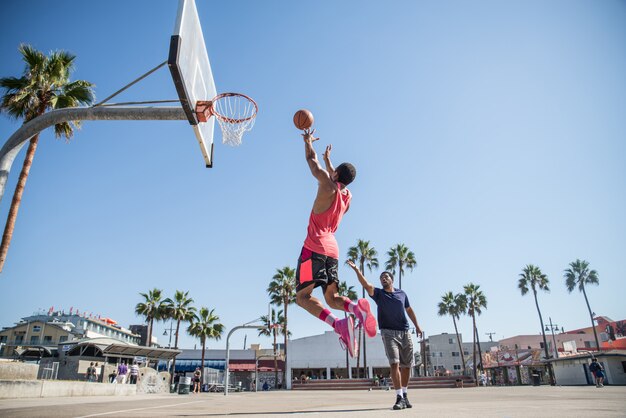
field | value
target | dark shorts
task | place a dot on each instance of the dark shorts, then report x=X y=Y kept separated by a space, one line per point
x=315 y=269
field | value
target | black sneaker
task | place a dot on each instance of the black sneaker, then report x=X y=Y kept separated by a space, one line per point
x=406 y=402
x=399 y=403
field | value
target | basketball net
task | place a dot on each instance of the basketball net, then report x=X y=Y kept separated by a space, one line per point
x=235 y=114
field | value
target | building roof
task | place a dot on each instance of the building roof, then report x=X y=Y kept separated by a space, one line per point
x=591 y=354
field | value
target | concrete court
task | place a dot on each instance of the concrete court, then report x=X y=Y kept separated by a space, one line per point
x=544 y=401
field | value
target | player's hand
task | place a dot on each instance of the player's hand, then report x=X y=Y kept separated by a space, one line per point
x=308 y=135
x=327 y=152
x=351 y=264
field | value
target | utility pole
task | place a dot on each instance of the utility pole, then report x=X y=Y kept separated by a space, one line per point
x=553 y=327
x=490 y=335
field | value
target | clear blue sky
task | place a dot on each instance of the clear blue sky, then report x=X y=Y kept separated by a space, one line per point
x=487 y=136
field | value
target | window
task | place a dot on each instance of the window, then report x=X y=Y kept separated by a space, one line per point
x=34 y=339
x=466 y=352
x=3 y=338
x=541 y=345
x=63 y=338
x=457 y=367
x=623 y=365
x=456 y=354
x=36 y=328
x=47 y=339
x=450 y=340
x=19 y=339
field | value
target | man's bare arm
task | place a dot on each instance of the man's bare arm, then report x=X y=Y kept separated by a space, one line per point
x=311 y=158
x=329 y=165
x=369 y=288
x=413 y=319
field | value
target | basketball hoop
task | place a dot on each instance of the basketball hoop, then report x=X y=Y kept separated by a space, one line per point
x=234 y=112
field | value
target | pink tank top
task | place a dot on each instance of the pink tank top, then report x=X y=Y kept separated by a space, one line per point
x=320 y=237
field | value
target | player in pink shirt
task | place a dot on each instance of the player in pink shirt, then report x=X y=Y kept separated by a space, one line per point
x=318 y=262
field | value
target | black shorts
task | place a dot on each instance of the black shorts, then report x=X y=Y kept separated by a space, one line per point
x=315 y=269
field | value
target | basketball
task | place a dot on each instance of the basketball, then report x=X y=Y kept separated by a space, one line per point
x=303 y=119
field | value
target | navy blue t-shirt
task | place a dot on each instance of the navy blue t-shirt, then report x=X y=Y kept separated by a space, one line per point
x=391 y=309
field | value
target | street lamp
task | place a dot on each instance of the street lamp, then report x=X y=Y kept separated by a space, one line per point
x=551 y=328
x=169 y=344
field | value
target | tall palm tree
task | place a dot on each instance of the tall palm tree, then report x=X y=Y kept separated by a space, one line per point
x=476 y=301
x=579 y=275
x=532 y=277
x=348 y=291
x=205 y=325
x=151 y=308
x=364 y=256
x=282 y=292
x=401 y=257
x=179 y=309
x=45 y=84
x=271 y=324
x=454 y=305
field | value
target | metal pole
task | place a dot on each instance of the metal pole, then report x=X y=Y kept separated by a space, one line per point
x=226 y=377
x=16 y=141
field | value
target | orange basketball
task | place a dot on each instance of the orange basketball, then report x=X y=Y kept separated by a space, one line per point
x=303 y=119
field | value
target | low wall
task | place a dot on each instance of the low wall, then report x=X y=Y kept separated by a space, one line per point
x=15 y=370
x=11 y=389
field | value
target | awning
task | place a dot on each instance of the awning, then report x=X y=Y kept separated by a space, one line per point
x=190 y=365
x=121 y=350
x=248 y=365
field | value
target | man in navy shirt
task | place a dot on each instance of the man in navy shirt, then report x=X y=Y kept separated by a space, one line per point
x=394 y=329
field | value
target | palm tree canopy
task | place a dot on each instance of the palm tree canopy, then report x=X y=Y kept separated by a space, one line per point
x=45 y=85
x=579 y=275
x=205 y=325
x=152 y=306
x=363 y=253
x=453 y=305
x=532 y=278
x=400 y=256
x=476 y=300
x=348 y=291
x=180 y=307
x=283 y=286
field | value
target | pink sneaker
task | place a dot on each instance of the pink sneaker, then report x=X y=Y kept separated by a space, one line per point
x=345 y=329
x=369 y=322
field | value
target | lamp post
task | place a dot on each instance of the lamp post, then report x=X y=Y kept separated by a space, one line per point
x=166 y=332
x=551 y=328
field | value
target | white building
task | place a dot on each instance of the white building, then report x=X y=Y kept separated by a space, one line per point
x=321 y=357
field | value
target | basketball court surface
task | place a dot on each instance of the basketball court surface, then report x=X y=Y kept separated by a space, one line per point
x=522 y=401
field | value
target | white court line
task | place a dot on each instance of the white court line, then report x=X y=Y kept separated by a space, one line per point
x=138 y=409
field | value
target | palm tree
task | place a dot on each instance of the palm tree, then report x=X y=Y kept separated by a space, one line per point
x=204 y=325
x=348 y=291
x=579 y=275
x=181 y=310
x=476 y=301
x=152 y=308
x=282 y=292
x=270 y=328
x=532 y=277
x=364 y=256
x=402 y=257
x=45 y=84
x=454 y=305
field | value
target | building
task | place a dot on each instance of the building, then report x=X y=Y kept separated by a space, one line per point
x=54 y=328
x=574 y=369
x=442 y=356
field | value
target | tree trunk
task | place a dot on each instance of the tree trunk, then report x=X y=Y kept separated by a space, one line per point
x=17 y=200
x=149 y=336
x=202 y=365
x=275 y=358
x=366 y=370
x=474 y=346
x=286 y=302
x=480 y=351
x=593 y=325
x=545 y=342
x=458 y=340
x=400 y=274
x=174 y=359
x=345 y=315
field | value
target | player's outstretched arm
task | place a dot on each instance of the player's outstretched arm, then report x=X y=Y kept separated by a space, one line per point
x=329 y=165
x=311 y=158
x=369 y=288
